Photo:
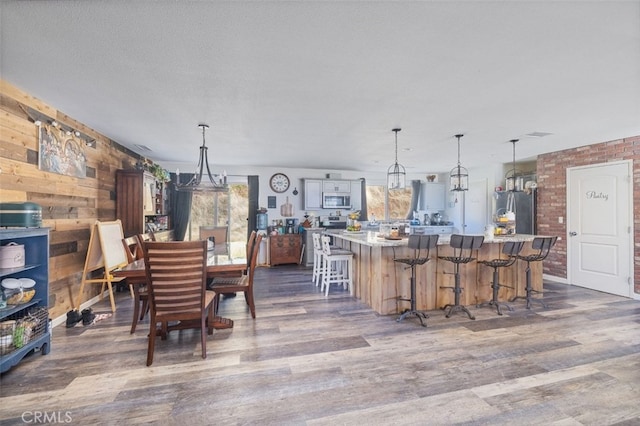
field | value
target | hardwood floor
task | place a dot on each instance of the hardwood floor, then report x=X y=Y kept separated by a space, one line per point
x=311 y=360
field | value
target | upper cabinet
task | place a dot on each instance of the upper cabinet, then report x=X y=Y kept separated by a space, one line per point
x=336 y=186
x=312 y=194
x=432 y=196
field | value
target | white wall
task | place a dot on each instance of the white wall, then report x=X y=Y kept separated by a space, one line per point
x=493 y=174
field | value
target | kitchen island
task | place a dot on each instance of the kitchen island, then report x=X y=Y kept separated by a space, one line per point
x=379 y=281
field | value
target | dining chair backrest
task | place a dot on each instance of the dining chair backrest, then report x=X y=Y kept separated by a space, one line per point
x=143 y=238
x=422 y=244
x=132 y=248
x=177 y=277
x=317 y=245
x=220 y=234
x=251 y=245
x=512 y=248
x=253 y=262
x=464 y=245
x=543 y=245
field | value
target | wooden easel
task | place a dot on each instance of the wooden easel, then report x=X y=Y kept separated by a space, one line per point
x=105 y=251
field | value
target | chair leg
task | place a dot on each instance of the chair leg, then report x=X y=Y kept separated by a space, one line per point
x=529 y=291
x=210 y=319
x=456 y=306
x=152 y=340
x=252 y=307
x=495 y=286
x=136 y=309
x=203 y=335
x=145 y=309
x=413 y=311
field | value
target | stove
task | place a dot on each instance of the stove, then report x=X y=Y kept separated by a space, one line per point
x=333 y=222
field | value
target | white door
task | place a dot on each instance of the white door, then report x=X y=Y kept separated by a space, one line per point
x=599 y=227
x=475 y=206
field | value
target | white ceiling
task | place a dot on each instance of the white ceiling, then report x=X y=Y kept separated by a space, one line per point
x=321 y=84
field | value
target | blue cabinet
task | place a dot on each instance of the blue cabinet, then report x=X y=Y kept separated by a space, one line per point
x=35 y=312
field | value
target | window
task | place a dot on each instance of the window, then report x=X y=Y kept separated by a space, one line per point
x=398 y=202
x=221 y=209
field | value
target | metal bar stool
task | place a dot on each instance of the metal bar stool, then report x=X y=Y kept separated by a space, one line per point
x=337 y=267
x=511 y=249
x=418 y=243
x=543 y=246
x=463 y=247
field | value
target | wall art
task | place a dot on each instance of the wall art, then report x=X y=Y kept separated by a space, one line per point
x=61 y=152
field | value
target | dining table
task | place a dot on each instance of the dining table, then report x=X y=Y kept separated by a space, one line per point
x=221 y=261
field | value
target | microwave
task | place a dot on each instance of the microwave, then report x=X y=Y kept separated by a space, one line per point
x=336 y=200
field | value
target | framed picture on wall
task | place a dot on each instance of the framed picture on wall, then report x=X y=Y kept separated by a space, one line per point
x=61 y=153
x=271 y=201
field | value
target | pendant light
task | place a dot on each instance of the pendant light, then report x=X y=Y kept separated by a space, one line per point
x=196 y=184
x=511 y=176
x=459 y=175
x=396 y=175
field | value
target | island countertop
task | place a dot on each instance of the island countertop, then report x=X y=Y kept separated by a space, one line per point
x=375 y=239
x=382 y=283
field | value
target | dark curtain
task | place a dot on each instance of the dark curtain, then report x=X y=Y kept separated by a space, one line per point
x=180 y=206
x=253 y=195
x=364 y=214
x=415 y=198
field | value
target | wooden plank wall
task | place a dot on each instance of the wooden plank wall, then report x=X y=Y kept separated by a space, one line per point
x=70 y=205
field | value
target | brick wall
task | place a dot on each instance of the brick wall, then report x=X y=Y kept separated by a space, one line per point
x=552 y=195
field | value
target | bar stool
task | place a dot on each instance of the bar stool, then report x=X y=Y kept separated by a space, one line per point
x=543 y=246
x=511 y=249
x=418 y=243
x=337 y=267
x=463 y=247
x=317 y=258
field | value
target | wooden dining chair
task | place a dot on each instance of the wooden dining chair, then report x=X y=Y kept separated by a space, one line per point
x=244 y=283
x=139 y=292
x=133 y=251
x=143 y=238
x=177 y=278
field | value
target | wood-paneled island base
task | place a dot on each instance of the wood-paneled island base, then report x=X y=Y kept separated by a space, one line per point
x=379 y=281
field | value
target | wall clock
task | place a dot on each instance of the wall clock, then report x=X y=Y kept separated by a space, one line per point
x=279 y=182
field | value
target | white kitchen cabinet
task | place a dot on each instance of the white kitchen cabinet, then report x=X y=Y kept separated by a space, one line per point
x=336 y=186
x=356 y=195
x=432 y=196
x=312 y=194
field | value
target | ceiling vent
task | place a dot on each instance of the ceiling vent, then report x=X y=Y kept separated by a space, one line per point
x=143 y=147
x=538 y=134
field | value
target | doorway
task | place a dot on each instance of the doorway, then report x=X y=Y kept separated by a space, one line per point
x=599 y=227
x=221 y=209
x=476 y=216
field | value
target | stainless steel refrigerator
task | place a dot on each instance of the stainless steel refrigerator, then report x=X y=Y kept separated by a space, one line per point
x=525 y=206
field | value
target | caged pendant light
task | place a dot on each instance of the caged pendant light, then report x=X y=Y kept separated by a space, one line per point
x=512 y=179
x=459 y=175
x=396 y=175
x=196 y=184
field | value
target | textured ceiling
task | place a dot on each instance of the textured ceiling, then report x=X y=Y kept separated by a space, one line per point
x=321 y=84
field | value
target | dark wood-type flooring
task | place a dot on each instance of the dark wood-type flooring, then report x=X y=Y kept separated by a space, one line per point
x=311 y=360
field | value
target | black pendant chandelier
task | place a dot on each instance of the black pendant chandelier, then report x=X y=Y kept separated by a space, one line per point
x=512 y=176
x=459 y=175
x=396 y=175
x=196 y=184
